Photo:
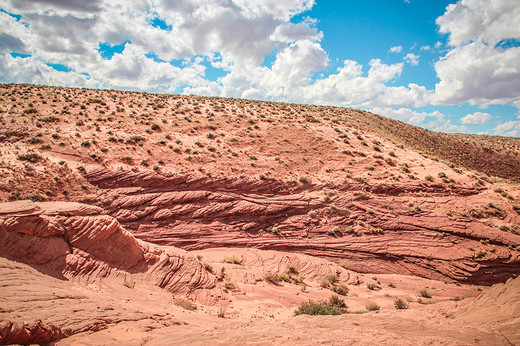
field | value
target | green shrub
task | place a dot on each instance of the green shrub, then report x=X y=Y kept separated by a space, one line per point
x=30 y=111
x=285 y=277
x=373 y=307
x=50 y=119
x=400 y=304
x=16 y=133
x=186 y=304
x=341 y=289
x=134 y=139
x=373 y=286
x=34 y=140
x=233 y=260
x=334 y=306
x=30 y=157
x=426 y=293
x=272 y=278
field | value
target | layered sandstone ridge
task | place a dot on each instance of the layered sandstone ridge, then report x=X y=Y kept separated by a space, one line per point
x=385 y=228
x=78 y=242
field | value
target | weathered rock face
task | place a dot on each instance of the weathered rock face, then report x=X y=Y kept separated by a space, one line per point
x=77 y=241
x=38 y=333
x=405 y=229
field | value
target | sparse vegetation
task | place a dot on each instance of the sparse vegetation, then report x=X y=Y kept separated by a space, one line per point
x=334 y=306
x=400 y=304
x=186 y=304
x=234 y=259
x=426 y=293
x=30 y=157
x=373 y=307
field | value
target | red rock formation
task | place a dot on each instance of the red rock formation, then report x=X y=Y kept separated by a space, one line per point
x=38 y=333
x=371 y=225
x=76 y=241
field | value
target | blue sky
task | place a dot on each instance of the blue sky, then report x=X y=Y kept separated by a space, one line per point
x=451 y=66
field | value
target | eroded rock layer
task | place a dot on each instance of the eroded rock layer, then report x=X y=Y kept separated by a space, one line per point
x=406 y=229
x=77 y=241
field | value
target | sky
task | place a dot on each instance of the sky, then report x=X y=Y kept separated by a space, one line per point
x=446 y=65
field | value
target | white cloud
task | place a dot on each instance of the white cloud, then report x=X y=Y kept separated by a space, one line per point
x=483 y=20
x=69 y=33
x=509 y=128
x=478 y=118
x=407 y=115
x=479 y=74
x=412 y=59
x=476 y=69
x=395 y=49
x=445 y=125
x=290 y=32
x=30 y=70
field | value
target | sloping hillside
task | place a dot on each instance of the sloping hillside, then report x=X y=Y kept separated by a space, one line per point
x=243 y=209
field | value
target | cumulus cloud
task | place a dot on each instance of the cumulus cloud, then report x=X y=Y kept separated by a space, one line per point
x=435 y=121
x=445 y=125
x=10 y=43
x=407 y=115
x=479 y=74
x=70 y=32
x=509 y=128
x=478 y=68
x=478 y=118
x=68 y=5
x=412 y=59
x=472 y=20
x=395 y=49
x=290 y=32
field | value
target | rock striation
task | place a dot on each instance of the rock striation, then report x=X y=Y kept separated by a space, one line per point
x=404 y=229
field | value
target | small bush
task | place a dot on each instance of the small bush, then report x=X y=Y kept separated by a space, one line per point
x=30 y=157
x=233 y=260
x=134 y=139
x=328 y=280
x=272 y=278
x=426 y=293
x=342 y=290
x=400 y=304
x=34 y=140
x=373 y=286
x=186 y=304
x=30 y=111
x=15 y=133
x=373 y=307
x=50 y=119
x=304 y=180
x=334 y=306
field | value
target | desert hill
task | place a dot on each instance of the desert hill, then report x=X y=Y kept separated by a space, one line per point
x=131 y=209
